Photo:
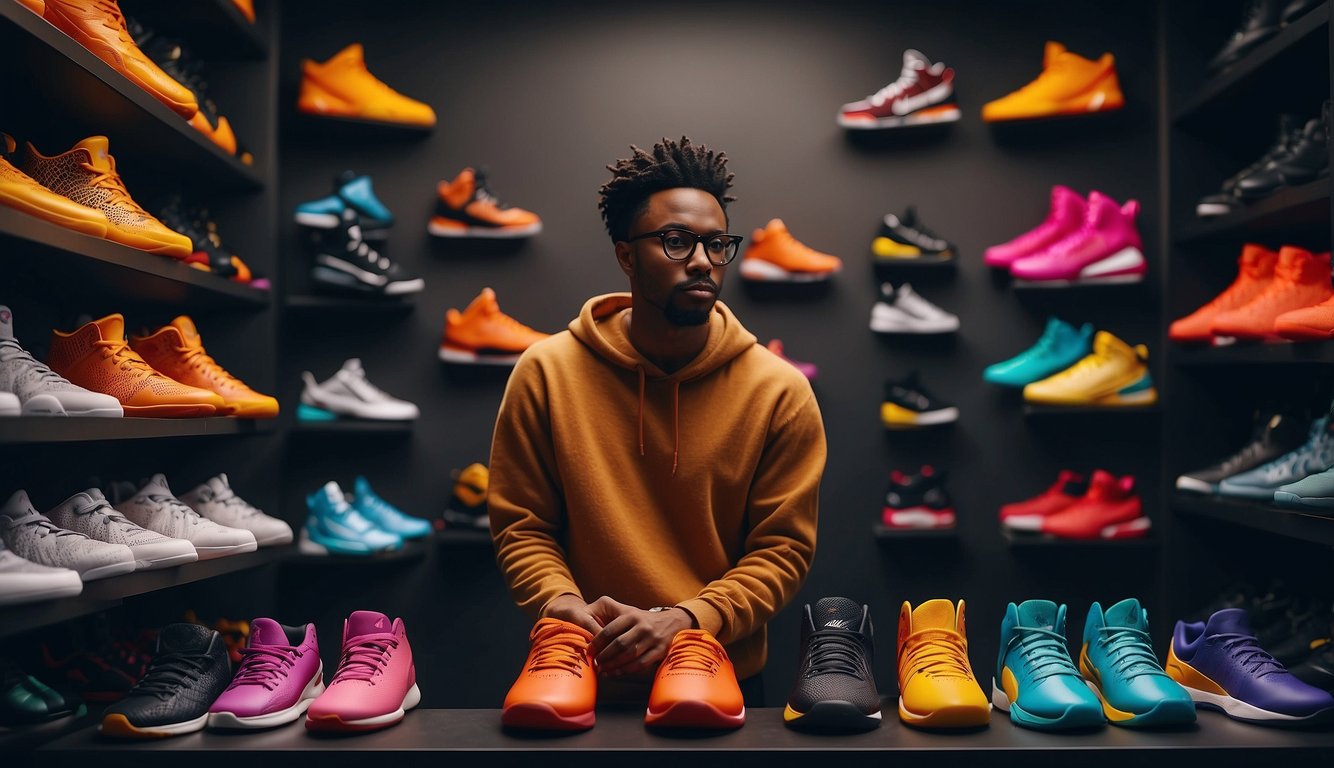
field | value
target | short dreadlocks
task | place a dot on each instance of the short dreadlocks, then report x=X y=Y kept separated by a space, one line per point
x=671 y=165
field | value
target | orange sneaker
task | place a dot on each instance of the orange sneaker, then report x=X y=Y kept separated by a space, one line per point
x=1309 y=324
x=774 y=255
x=483 y=335
x=1069 y=85
x=1255 y=272
x=247 y=9
x=96 y=357
x=1301 y=280
x=557 y=688
x=177 y=351
x=343 y=87
x=87 y=175
x=21 y=192
x=466 y=208
x=36 y=6
x=695 y=686
x=99 y=26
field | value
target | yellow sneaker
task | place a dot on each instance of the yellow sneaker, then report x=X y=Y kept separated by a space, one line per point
x=1069 y=85
x=343 y=87
x=1114 y=375
x=937 y=688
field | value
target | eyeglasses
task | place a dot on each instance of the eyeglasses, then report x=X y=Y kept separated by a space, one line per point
x=679 y=245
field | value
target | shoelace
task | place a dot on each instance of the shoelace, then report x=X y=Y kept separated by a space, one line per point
x=124 y=358
x=111 y=181
x=108 y=515
x=907 y=76
x=115 y=20
x=1130 y=650
x=555 y=647
x=1044 y=653
x=170 y=672
x=230 y=499
x=692 y=652
x=364 y=659
x=1246 y=650
x=199 y=360
x=178 y=507
x=381 y=506
x=482 y=192
x=835 y=651
x=265 y=665
x=938 y=653
x=10 y=351
x=358 y=246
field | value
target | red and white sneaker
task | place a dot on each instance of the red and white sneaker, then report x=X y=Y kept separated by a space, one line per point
x=923 y=94
x=1108 y=510
x=1027 y=515
x=918 y=501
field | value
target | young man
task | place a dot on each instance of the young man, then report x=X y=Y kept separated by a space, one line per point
x=655 y=469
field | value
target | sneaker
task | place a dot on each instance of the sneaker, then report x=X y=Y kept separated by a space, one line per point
x=465 y=207
x=343 y=87
x=483 y=335
x=23 y=581
x=349 y=393
x=1105 y=250
x=918 y=502
x=903 y=310
x=923 y=94
x=207 y=255
x=1068 y=85
x=375 y=683
x=1317 y=670
x=335 y=527
x=1315 y=455
x=1295 y=9
x=1226 y=201
x=280 y=674
x=1065 y=217
x=10 y=405
x=1109 y=502
x=345 y=260
x=87 y=175
x=467 y=498
x=174 y=58
x=695 y=686
x=1301 y=280
x=908 y=405
x=775 y=256
x=1312 y=493
x=350 y=191
x=1222 y=666
x=1116 y=658
x=1028 y=515
x=215 y=500
x=1060 y=346
x=1114 y=375
x=384 y=515
x=40 y=391
x=100 y=28
x=835 y=686
x=1262 y=20
x=905 y=241
x=92 y=515
x=1036 y=680
x=1255 y=271
x=809 y=370
x=154 y=507
x=937 y=688
x=1306 y=159
x=189 y=671
x=178 y=351
x=1274 y=436
x=1305 y=632
x=21 y=192
x=557 y=688
x=32 y=536
x=25 y=700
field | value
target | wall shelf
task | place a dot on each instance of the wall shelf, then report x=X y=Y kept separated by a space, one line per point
x=1257 y=515
x=323 y=305
x=1306 y=353
x=35 y=429
x=411 y=551
x=353 y=426
x=1289 y=207
x=1021 y=542
x=884 y=533
x=1035 y=411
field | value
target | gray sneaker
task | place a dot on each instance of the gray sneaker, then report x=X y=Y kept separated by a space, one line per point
x=33 y=537
x=89 y=513
x=1314 y=493
x=155 y=508
x=23 y=581
x=40 y=390
x=215 y=500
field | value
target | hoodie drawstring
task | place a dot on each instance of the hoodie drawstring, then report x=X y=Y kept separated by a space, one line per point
x=676 y=419
x=640 y=368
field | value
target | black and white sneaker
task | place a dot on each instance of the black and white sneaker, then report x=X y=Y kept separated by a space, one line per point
x=905 y=241
x=345 y=260
x=835 y=688
x=918 y=501
x=190 y=669
x=1306 y=159
x=908 y=405
x=903 y=310
x=1275 y=435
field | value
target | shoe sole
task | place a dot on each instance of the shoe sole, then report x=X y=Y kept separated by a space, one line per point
x=119 y=726
x=1065 y=722
x=1290 y=499
x=169 y=411
x=169 y=560
x=958 y=716
x=308 y=546
x=831 y=716
x=23 y=203
x=230 y=721
x=329 y=276
x=16 y=594
x=109 y=570
x=916 y=330
x=1109 y=270
x=539 y=716
x=1071 y=111
x=465 y=357
x=918 y=519
x=213 y=553
x=1161 y=715
x=484 y=233
x=1191 y=485
x=924 y=419
x=336 y=724
x=50 y=405
x=693 y=714
x=1249 y=713
x=934 y=115
x=760 y=271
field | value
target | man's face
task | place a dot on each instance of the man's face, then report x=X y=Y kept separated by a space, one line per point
x=685 y=291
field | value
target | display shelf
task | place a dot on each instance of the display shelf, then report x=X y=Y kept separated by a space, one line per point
x=1306 y=353
x=353 y=426
x=35 y=429
x=1307 y=204
x=1021 y=542
x=412 y=550
x=76 y=259
x=322 y=305
x=76 y=82
x=352 y=128
x=1051 y=287
x=29 y=736
x=230 y=35
x=884 y=533
x=463 y=538
x=1034 y=411
x=1257 y=515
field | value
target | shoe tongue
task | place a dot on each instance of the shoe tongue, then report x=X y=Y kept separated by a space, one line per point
x=220 y=483
x=1229 y=621
x=19 y=507
x=933 y=614
x=353 y=366
x=1257 y=261
x=112 y=327
x=486 y=302
x=913 y=59
x=1049 y=54
x=184 y=637
x=186 y=326
x=267 y=632
x=353 y=54
x=335 y=495
x=1105 y=344
x=1043 y=614
x=156 y=485
x=1126 y=613
x=776 y=225
x=909 y=217
x=97 y=148
x=837 y=613
x=6 y=323
x=367 y=623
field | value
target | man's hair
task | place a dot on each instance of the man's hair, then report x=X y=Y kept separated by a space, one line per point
x=671 y=165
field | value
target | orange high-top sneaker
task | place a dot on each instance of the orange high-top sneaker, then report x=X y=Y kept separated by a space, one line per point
x=483 y=335
x=343 y=87
x=1069 y=85
x=466 y=208
x=774 y=255
x=1255 y=271
x=21 y=192
x=1301 y=280
x=177 y=351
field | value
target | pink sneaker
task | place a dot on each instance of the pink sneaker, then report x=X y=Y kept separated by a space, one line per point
x=1064 y=218
x=375 y=682
x=1106 y=249
x=279 y=676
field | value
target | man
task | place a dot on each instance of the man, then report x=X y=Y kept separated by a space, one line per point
x=654 y=469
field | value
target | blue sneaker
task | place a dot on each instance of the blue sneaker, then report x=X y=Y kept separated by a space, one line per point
x=386 y=516
x=1061 y=346
x=1117 y=660
x=1315 y=455
x=334 y=527
x=1315 y=492
x=1036 y=682
x=350 y=191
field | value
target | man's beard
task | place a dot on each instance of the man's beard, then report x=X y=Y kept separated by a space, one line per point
x=685 y=317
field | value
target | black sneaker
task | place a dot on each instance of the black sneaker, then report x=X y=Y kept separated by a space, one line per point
x=1274 y=436
x=1295 y=9
x=835 y=688
x=904 y=240
x=345 y=260
x=190 y=670
x=1318 y=669
x=1226 y=200
x=908 y=405
x=1306 y=633
x=467 y=499
x=1306 y=159
x=194 y=224
x=1261 y=22
x=918 y=502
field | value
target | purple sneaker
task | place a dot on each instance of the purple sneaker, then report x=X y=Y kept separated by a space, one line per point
x=279 y=676
x=1222 y=666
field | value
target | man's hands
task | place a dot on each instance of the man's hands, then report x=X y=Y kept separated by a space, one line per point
x=627 y=641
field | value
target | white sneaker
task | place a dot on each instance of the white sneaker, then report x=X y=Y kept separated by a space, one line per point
x=155 y=508
x=33 y=537
x=10 y=405
x=23 y=581
x=39 y=390
x=902 y=310
x=92 y=515
x=215 y=500
x=349 y=393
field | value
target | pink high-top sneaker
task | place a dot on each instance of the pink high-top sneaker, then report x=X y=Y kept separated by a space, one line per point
x=375 y=682
x=1065 y=217
x=1106 y=249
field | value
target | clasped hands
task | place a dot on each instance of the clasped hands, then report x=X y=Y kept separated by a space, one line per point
x=627 y=641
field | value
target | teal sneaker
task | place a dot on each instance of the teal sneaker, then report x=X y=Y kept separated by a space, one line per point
x=1117 y=660
x=1061 y=346
x=384 y=515
x=1314 y=492
x=1036 y=681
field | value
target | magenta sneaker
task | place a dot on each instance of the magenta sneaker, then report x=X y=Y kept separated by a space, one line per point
x=1106 y=249
x=1064 y=218
x=279 y=676
x=375 y=682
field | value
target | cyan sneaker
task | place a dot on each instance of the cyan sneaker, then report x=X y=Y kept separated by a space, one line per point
x=1036 y=682
x=1313 y=492
x=1315 y=455
x=384 y=515
x=334 y=527
x=1117 y=660
x=350 y=191
x=1060 y=346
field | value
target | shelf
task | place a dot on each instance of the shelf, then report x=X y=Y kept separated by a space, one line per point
x=331 y=128
x=412 y=550
x=1032 y=411
x=1019 y=541
x=1290 y=207
x=354 y=426
x=884 y=533
x=105 y=267
x=321 y=305
x=1305 y=353
x=74 y=81
x=30 y=736
x=36 y=429
x=1257 y=515
x=1041 y=287
x=463 y=538
x=229 y=34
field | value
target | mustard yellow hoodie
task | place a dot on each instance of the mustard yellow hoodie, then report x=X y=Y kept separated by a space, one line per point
x=698 y=489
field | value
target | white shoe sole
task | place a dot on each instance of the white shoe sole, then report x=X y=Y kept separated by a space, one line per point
x=212 y=553
x=1195 y=486
x=359 y=410
x=762 y=271
x=28 y=588
x=230 y=721
x=905 y=121
x=482 y=233
x=109 y=570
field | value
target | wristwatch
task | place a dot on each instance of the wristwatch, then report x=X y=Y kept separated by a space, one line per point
x=661 y=608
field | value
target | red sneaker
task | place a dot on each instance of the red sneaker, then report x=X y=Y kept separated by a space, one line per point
x=1029 y=514
x=1110 y=501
